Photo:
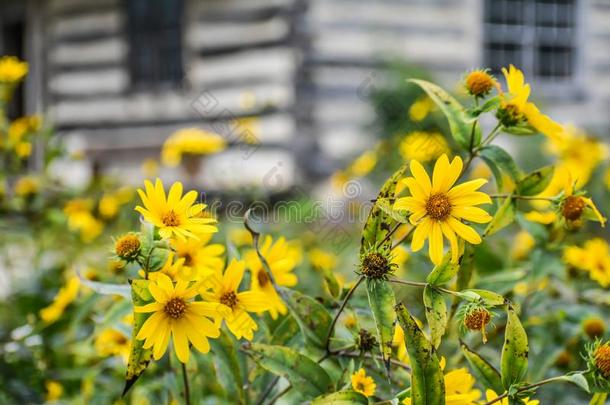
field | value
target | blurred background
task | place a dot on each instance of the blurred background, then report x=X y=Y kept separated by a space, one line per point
x=292 y=79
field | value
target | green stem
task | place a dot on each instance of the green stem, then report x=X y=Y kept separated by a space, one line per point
x=524 y=388
x=423 y=285
x=336 y=318
x=492 y=135
x=185 y=380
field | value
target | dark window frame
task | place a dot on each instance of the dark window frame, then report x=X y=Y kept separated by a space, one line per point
x=531 y=29
x=154 y=31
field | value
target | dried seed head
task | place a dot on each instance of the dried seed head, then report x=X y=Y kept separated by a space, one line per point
x=563 y=359
x=127 y=246
x=479 y=83
x=365 y=340
x=477 y=319
x=594 y=327
x=573 y=208
x=375 y=265
x=602 y=360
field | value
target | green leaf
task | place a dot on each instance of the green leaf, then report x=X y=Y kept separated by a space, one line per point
x=444 y=271
x=460 y=123
x=504 y=216
x=497 y=158
x=577 y=379
x=378 y=223
x=382 y=301
x=106 y=288
x=331 y=282
x=491 y=104
x=489 y=297
x=305 y=375
x=520 y=130
x=157 y=259
x=427 y=382
x=227 y=367
x=436 y=314
x=285 y=332
x=536 y=181
x=341 y=398
x=139 y=358
x=515 y=350
x=313 y=318
x=386 y=207
x=483 y=371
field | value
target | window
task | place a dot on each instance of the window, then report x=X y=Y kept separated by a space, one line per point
x=539 y=36
x=155 y=42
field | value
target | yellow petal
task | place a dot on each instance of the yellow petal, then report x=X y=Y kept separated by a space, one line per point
x=450 y=235
x=420 y=234
x=254 y=301
x=473 y=214
x=181 y=344
x=435 y=243
x=440 y=172
x=464 y=231
x=233 y=275
x=421 y=176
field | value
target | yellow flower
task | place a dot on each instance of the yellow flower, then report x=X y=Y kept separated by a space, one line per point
x=200 y=258
x=23 y=149
x=578 y=153
x=363 y=164
x=459 y=387
x=223 y=289
x=191 y=141
x=65 y=296
x=398 y=342
x=12 y=69
x=175 y=215
x=27 y=186
x=174 y=313
x=574 y=206
x=240 y=237
x=436 y=208
x=522 y=245
x=363 y=384
x=109 y=206
x=282 y=258
x=479 y=83
x=491 y=395
x=54 y=390
x=23 y=126
x=515 y=108
x=423 y=146
x=420 y=109
x=88 y=226
x=545 y=218
x=593 y=257
x=322 y=259
x=111 y=342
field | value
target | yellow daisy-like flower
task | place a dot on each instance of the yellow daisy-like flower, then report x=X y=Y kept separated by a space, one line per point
x=223 y=289
x=593 y=257
x=54 y=390
x=490 y=395
x=322 y=259
x=174 y=215
x=201 y=259
x=363 y=164
x=111 y=342
x=65 y=296
x=459 y=387
x=420 y=109
x=190 y=141
x=12 y=69
x=282 y=258
x=363 y=384
x=175 y=314
x=523 y=244
x=398 y=342
x=515 y=107
x=423 y=146
x=27 y=186
x=573 y=206
x=437 y=208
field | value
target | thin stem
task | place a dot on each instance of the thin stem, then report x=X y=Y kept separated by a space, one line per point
x=404 y=238
x=492 y=135
x=185 y=380
x=336 y=318
x=524 y=388
x=389 y=235
x=521 y=197
x=422 y=285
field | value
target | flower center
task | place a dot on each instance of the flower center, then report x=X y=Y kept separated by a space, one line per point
x=375 y=265
x=170 y=219
x=477 y=319
x=188 y=259
x=573 y=208
x=262 y=277
x=602 y=360
x=479 y=83
x=175 y=308
x=229 y=299
x=127 y=247
x=438 y=206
